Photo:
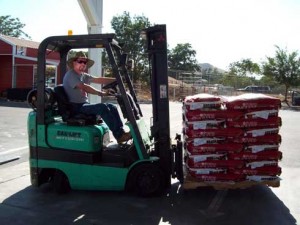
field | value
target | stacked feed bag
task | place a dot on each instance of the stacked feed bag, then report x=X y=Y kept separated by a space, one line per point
x=232 y=139
x=207 y=140
x=261 y=123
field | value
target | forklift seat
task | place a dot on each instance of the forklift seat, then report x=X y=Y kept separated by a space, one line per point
x=65 y=109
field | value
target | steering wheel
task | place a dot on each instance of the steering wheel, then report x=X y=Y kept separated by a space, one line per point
x=112 y=85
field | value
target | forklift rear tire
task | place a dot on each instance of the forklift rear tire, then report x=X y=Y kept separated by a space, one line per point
x=147 y=180
x=61 y=183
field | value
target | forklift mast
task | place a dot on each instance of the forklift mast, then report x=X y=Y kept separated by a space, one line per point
x=160 y=130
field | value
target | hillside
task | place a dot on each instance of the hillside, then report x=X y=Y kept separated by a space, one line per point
x=206 y=66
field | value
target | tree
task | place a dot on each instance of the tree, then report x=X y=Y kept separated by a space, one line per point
x=232 y=79
x=12 y=27
x=127 y=32
x=284 y=68
x=182 y=57
x=240 y=72
x=244 y=67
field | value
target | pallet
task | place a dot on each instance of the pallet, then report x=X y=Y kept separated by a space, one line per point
x=193 y=183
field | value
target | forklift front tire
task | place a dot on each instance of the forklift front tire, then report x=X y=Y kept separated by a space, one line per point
x=147 y=180
x=61 y=183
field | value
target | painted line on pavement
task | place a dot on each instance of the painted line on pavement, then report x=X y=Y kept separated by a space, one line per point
x=13 y=150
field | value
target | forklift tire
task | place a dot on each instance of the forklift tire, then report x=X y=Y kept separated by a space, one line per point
x=61 y=183
x=147 y=180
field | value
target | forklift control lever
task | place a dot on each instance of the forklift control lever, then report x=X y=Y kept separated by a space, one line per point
x=112 y=85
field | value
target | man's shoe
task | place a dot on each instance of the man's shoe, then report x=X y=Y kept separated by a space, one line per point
x=125 y=137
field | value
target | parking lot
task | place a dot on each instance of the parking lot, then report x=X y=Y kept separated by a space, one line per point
x=23 y=204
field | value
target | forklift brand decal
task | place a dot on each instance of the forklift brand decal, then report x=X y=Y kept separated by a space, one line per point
x=70 y=136
x=163 y=91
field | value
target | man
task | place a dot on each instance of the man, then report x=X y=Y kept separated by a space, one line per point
x=77 y=86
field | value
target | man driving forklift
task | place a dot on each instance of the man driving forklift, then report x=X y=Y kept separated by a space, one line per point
x=77 y=86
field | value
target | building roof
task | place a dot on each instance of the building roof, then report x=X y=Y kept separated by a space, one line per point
x=19 y=42
x=27 y=44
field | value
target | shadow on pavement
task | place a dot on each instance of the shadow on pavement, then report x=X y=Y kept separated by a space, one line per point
x=20 y=104
x=254 y=206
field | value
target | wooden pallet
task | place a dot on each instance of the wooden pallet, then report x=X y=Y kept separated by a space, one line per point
x=193 y=183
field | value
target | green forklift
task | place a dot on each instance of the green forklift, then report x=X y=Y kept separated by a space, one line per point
x=75 y=151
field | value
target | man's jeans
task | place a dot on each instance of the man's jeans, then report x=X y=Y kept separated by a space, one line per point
x=107 y=111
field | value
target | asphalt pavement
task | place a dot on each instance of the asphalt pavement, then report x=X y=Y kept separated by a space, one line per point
x=259 y=205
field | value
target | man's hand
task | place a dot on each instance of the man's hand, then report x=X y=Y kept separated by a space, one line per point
x=111 y=91
x=108 y=92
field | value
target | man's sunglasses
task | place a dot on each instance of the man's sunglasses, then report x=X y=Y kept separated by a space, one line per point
x=81 y=62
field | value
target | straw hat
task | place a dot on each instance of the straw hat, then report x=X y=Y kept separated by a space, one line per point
x=80 y=55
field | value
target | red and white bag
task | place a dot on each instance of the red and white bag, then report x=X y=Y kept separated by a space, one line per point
x=260 y=148
x=218 y=177
x=266 y=139
x=222 y=163
x=264 y=170
x=202 y=101
x=213 y=148
x=252 y=101
x=221 y=132
x=204 y=124
x=261 y=131
x=260 y=156
x=213 y=114
x=256 y=122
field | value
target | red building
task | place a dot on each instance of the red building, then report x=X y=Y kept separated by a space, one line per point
x=18 y=63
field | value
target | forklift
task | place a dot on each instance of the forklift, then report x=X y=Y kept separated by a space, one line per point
x=75 y=151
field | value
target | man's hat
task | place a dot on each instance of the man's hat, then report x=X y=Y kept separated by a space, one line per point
x=80 y=55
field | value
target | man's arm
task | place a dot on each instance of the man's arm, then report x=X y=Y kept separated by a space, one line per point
x=90 y=89
x=102 y=80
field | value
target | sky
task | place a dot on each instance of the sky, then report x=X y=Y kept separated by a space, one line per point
x=220 y=31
